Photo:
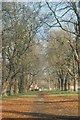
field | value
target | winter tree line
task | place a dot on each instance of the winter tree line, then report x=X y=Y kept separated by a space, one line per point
x=40 y=41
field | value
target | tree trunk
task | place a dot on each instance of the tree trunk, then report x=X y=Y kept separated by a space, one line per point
x=68 y=85
x=24 y=89
x=4 y=88
x=12 y=89
x=65 y=85
x=75 y=83
x=58 y=84
x=66 y=80
x=79 y=74
x=62 y=84
x=16 y=87
x=78 y=46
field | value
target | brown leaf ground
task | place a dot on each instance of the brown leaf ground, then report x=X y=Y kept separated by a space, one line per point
x=58 y=106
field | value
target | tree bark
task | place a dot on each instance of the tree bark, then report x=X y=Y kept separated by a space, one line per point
x=12 y=89
x=16 y=87
x=4 y=88
x=74 y=84
x=65 y=85
x=68 y=85
x=58 y=84
x=62 y=84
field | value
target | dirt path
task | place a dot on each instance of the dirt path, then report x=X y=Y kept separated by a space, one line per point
x=57 y=107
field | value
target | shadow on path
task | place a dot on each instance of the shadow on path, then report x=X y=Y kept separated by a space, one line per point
x=43 y=115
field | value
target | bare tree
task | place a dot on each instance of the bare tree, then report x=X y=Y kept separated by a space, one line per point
x=60 y=57
x=20 y=26
x=69 y=21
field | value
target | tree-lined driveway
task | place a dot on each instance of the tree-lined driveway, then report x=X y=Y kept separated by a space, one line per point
x=57 y=107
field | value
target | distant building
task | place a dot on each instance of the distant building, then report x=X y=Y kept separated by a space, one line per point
x=34 y=86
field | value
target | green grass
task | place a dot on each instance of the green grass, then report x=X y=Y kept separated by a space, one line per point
x=28 y=94
x=36 y=93
x=63 y=92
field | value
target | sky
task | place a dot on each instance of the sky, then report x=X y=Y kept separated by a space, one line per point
x=34 y=0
